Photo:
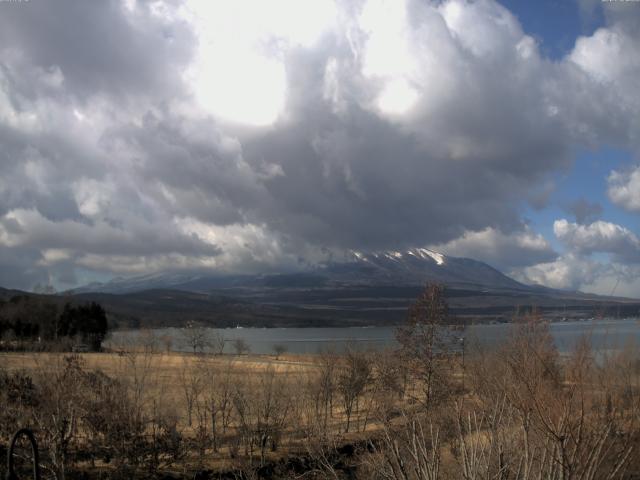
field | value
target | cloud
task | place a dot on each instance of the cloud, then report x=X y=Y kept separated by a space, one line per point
x=624 y=188
x=387 y=125
x=147 y=49
x=506 y=251
x=458 y=159
x=584 y=211
x=582 y=266
x=578 y=272
x=569 y=271
x=588 y=10
x=599 y=236
x=607 y=58
x=20 y=268
x=29 y=228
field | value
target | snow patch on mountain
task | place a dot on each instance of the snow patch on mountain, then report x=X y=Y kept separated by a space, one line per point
x=426 y=253
x=422 y=253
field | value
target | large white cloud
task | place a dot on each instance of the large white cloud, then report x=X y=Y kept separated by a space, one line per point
x=624 y=188
x=609 y=57
x=569 y=271
x=599 y=236
x=506 y=251
x=601 y=257
x=579 y=272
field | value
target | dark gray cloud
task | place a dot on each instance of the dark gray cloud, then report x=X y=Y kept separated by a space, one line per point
x=20 y=268
x=97 y=47
x=203 y=170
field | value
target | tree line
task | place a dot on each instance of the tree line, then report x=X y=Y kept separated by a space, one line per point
x=37 y=322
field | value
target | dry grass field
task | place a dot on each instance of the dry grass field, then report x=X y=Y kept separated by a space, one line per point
x=226 y=409
x=166 y=375
x=164 y=365
x=515 y=411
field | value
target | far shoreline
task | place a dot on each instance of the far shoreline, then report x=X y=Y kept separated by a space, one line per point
x=552 y=320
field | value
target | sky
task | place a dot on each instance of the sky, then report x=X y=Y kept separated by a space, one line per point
x=139 y=137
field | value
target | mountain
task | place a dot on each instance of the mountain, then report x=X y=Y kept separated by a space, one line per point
x=411 y=267
x=415 y=267
x=6 y=294
x=361 y=289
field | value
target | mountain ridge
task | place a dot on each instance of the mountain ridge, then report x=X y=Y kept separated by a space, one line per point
x=411 y=267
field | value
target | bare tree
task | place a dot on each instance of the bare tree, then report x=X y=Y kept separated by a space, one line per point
x=408 y=452
x=538 y=417
x=389 y=380
x=167 y=342
x=202 y=414
x=326 y=385
x=191 y=384
x=132 y=417
x=315 y=400
x=61 y=390
x=263 y=411
x=196 y=337
x=216 y=398
x=353 y=377
x=216 y=342
x=241 y=346
x=425 y=339
x=279 y=349
x=148 y=340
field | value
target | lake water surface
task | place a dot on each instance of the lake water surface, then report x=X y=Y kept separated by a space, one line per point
x=605 y=335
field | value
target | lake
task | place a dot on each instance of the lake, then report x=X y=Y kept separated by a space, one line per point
x=605 y=334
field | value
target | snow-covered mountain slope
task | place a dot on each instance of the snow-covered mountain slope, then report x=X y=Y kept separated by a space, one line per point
x=417 y=266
